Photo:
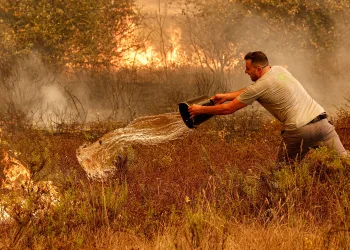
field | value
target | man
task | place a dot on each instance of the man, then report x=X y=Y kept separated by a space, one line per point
x=305 y=121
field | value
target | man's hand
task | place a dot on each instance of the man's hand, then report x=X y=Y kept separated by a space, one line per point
x=194 y=110
x=219 y=98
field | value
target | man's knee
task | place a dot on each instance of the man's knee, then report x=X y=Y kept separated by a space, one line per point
x=335 y=144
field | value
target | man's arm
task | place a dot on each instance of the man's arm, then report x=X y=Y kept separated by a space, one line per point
x=220 y=109
x=221 y=98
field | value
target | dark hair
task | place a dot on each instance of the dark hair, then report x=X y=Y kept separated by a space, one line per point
x=258 y=58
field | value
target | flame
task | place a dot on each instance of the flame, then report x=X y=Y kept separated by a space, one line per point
x=148 y=56
x=167 y=53
x=16 y=174
x=173 y=56
x=18 y=178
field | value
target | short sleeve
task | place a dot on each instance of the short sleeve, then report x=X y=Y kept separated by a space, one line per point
x=252 y=93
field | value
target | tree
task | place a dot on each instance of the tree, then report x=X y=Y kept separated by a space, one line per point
x=210 y=30
x=317 y=26
x=75 y=32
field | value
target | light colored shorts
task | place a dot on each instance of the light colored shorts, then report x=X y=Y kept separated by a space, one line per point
x=296 y=143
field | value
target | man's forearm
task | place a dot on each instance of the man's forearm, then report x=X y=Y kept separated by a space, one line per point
x=220 y=109
x=232 y=95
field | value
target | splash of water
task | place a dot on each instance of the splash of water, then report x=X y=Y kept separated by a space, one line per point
x=99 y=158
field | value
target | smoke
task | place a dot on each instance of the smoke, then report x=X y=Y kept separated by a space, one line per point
x=315 y=53
x=54 y=103
x=32 y=91
x=56 y=97
x=20 y=90
x=316 y=56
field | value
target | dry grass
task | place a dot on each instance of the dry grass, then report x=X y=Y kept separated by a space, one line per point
x=215 y=189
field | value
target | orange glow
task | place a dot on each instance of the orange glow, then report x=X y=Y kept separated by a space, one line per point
x=16 y=174
x=173 y=56
x=148 y=56
x=18 y=177
x=145 y=57
x=163 y=52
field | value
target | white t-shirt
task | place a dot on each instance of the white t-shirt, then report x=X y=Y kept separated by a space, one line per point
x=284 y=97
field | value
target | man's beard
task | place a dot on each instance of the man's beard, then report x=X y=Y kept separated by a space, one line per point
x=254 y=78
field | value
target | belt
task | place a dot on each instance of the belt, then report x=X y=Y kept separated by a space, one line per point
x=318 y=118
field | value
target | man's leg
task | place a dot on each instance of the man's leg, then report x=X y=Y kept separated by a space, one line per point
x=296 y=143
x=324 y=134
x=294 y=146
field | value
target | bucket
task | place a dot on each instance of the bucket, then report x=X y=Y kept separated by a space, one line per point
x=198 y=119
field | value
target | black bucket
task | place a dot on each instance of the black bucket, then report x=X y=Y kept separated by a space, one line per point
x=198 y=119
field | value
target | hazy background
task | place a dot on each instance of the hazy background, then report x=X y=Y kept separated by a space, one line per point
x=168 y=52
x=329 y=84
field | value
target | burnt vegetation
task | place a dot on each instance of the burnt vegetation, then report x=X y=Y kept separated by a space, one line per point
x=194 y=190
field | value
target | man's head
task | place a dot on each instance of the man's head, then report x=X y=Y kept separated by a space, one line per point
x=255 y=63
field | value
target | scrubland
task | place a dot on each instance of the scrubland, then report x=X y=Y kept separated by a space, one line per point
x=217 y=188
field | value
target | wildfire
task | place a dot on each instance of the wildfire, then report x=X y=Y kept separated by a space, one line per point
x=15 y=173
x=174 y=55
x=164 y=50
x=171 y=53
x=17 y=179
x=149 y=56
x=142 y=58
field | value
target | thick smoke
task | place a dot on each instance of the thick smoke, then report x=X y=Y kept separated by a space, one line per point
x=55 y=98
x=325 y=77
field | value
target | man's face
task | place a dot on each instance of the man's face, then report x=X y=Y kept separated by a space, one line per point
x=254 y=73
